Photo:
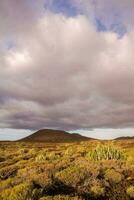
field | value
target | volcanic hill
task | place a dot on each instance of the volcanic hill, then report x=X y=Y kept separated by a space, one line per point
x=50 y=135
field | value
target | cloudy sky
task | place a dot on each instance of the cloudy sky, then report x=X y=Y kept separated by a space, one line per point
x=67 y=65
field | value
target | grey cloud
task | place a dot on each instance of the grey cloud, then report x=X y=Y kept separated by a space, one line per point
x=64 y=74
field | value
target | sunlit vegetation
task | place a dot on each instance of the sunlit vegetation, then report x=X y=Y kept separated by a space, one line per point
x=106 y=152
x=74 y=171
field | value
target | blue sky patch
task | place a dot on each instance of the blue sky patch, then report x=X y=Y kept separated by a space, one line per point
x=62 y=6
x=118 y=28
x=100 y=25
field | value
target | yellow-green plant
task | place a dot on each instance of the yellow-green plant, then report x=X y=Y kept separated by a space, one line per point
x=60 y=197
x=40 y=158
x=130 y=191
x=113 y=176
x=105 y=152
x=72 y=175
x=19 y=192
x=97 y=190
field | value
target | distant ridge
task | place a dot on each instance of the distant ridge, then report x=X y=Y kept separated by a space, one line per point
x=57 y=136
x=125 y=138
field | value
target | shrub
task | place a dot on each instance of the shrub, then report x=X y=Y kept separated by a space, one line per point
x=103 y=152
x=47 y=156
x=97 y=190
x=72 y=176
x=37 y=193
x=40 y=158
x=130 y=191
x=44 y=180
x=53 y=156
x=8 y=172
x=113 y=176
x=19 y=192
x=10 y=182
x=69 y=151
x=60 y=197
x=23 y=151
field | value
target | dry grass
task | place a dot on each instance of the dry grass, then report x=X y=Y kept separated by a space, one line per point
x=70 y=171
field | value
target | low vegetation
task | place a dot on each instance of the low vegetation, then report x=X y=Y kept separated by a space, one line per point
x=106 y=152
x=88 y=170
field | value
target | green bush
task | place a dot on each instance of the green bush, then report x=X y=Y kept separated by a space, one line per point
x=103 y=152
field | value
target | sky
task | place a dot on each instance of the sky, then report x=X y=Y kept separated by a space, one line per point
x=67 y=65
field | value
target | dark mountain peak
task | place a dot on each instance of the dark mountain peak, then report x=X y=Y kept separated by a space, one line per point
x=125 y=138
x=51 y=135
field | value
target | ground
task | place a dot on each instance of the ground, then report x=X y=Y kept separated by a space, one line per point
x=67 y=171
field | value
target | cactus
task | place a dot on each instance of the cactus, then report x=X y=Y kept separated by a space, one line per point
x=103 y=152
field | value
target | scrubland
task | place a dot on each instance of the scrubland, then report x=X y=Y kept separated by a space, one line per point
x=67 y=171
